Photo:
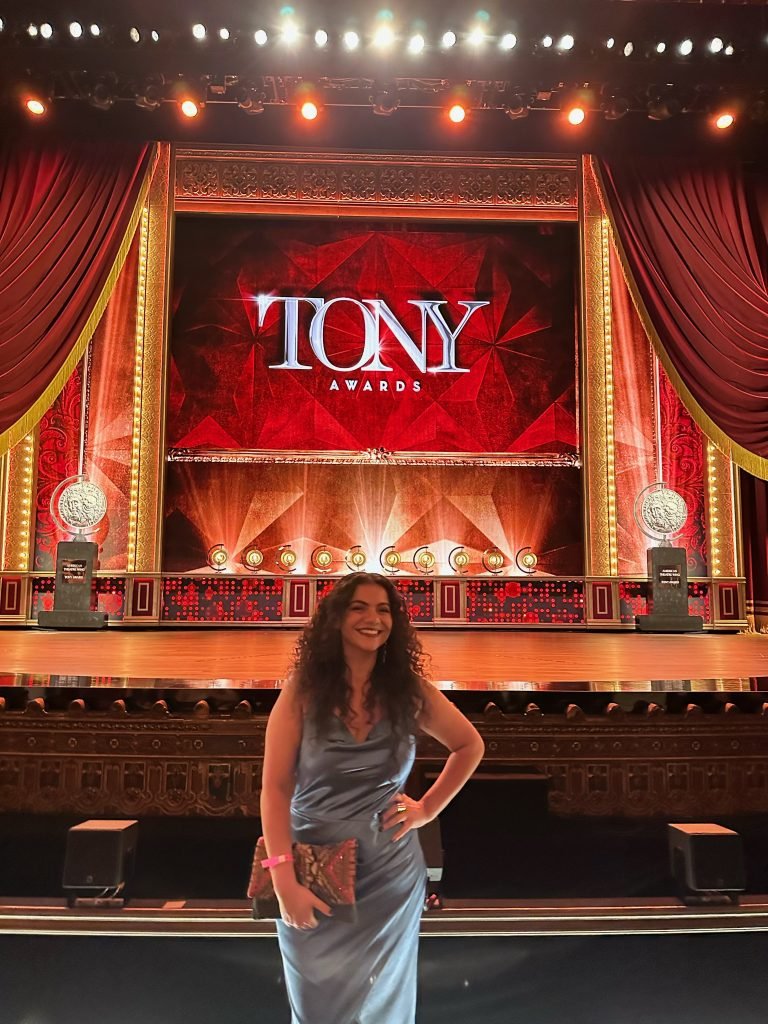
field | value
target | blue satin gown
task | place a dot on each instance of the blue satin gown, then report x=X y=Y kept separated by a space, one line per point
x=362 y=973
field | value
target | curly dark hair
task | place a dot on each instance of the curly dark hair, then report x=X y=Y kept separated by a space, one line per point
x=321 y=672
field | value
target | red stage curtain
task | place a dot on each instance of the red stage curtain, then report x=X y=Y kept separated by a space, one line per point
x=691 y=237
x=67 y=215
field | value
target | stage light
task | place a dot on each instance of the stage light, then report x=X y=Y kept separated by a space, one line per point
x=576 y=115
x=616 y=108
x=286 y=558
x=35 y=106
x=32 y=31
x=458 y=559
x=476 y=36
x=102 y=95
x=289 y=33
x=355 y=558
x=457 y=113
x=662 y=107
x=547 y=41
x=224 y=34
x=309 y=110
x=383 y=37
x=46 y=30
x=526 y=560
x=190 y=108
x=199 y=31
x=424 y=560
x=95 y=30
x=260 y=37
x=685 y=48
x=728 y=51
x=660 y=47
x=252 y=558
x=351 y=40
x=416 y=44
x=2 y=25
x=508 y=41
x=716 y=45
x=725 y=119
x=385 y=100
x=493 y=561
x=321 y=38
x=135 y=35
x=515 y=106
x=150 y=94
x=629 y=49
x=250 y=99
x=610 y=42
x=390 y=560
x=218 y=556
x=75 y=29
x=322 y=559
x=154 y=35
x=448 y=40
x=567 y=42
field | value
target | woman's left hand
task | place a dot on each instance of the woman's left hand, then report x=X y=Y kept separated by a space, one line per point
x=403 y=814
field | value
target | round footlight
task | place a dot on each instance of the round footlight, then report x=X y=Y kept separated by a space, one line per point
x=390 y=559
x=424 y=559
x=355 y=558
x=322 y=559
x=459 y=559
x=493 y=560
x=253 y=558
x=218 y=556
x=287 y=558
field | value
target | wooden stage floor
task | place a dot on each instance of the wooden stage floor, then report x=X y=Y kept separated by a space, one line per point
x=466 y=659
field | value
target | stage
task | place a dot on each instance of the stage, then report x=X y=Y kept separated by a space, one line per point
x=458 y=659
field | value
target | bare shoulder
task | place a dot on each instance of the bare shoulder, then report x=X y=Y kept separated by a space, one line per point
x=441 y=719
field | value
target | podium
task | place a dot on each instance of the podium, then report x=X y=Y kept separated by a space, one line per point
x=74 y=596
x=668 y=594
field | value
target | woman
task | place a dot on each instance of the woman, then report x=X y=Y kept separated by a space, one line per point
x=339 y=747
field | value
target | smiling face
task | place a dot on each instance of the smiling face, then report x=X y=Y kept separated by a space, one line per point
x=367 y=622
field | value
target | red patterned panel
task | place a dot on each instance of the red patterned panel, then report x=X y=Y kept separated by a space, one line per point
x=683 y=469
x=449 y=597
x=11 y=588
x=110 y=595
x=633 y=599
x=518 y=602
x=142 y=598
x=418 y=594
x=602 y=600
x=58 y=458
x=222 y=599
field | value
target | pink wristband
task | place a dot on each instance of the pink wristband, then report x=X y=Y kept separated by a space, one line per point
x=272 y=862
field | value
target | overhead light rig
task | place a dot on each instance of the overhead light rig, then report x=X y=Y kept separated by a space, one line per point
x=607 y=61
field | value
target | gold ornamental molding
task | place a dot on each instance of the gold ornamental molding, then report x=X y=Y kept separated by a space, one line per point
x=491 y=188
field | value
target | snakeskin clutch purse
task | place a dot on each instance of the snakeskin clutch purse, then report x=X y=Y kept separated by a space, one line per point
x=329 y=871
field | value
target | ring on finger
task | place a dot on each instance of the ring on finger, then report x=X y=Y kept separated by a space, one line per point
x=401 y=808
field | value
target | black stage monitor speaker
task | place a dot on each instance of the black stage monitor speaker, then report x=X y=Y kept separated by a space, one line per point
x=706 y=858
x=100 y=855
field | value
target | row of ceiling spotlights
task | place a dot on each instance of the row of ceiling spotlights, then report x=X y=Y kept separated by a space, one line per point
x=383 y=37
x=576 y=114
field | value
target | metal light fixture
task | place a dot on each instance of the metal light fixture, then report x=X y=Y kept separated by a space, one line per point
x=526 y=560
x=218 y=556
x=424 y=560
x=322 y=559
x=493 y=561
x=390 y=559
x=253 y=558
x=286 y=558
x=458 y=559
x=355 y=558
